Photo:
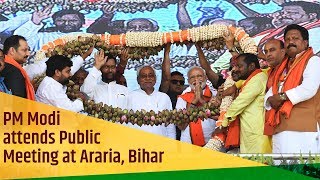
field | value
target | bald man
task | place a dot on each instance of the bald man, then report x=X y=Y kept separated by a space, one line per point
x=274 y=52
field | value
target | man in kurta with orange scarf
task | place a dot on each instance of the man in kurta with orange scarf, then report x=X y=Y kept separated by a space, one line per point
x=294 y=98
x=199 y=132
x=248 y=106
x=274 y=53
x=16 y=52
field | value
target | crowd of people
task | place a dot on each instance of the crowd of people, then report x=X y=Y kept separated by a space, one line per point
x=51 y=22
x=273 y=110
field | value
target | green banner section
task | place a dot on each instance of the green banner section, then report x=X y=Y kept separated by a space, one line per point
x=312 y=170
x=260 y=173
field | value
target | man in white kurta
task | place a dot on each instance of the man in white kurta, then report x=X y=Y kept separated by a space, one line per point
x=292 y=135
x=148 y=98
x=52 y=89
x=197 y=80
x=100 y=84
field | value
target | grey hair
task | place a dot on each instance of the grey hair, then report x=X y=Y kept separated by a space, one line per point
x=195 y=67
x=141 y=67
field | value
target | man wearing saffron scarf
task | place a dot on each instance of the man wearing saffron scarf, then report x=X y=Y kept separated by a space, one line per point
x=16 y=52
x=248 y=106
x=274 y=52
x=294 y=98
x=199 y=132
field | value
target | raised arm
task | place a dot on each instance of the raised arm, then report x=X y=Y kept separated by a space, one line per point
x=212 y=76
x=92 y=79
x=165 y=75
x=123 y=61
x=39 y=68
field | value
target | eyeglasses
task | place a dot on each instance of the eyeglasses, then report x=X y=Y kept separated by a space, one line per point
x=181 y=82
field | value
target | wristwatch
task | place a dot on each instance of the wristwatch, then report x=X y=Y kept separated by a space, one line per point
x=233 y=49
x=283 y=96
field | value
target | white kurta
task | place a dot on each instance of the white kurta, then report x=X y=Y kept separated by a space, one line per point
x=208 y=125
x=296 y=142
x=53 y=93
x=40 y=67
x=107 y=93
x=157 y=101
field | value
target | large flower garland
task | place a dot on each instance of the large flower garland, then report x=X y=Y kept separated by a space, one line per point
x=210 y=35
x=144 y=117
x=148 y=43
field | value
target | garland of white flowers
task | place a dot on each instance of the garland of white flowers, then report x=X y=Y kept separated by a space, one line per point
x=41 y=54
x=144 y=39
x=227 y=100
x=156 y=39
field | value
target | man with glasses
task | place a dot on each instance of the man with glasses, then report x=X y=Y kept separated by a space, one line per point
x=171 y=83
x=199 y=132
x=150 y=99
x=100 y=84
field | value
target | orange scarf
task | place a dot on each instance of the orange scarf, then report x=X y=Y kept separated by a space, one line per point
x=232 y=136
x=271 y=73
x=292 y=80
x=29 y=87
x=196 y=131
x=268 y=130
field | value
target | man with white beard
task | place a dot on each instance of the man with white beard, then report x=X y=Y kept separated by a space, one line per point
x=199 y=132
